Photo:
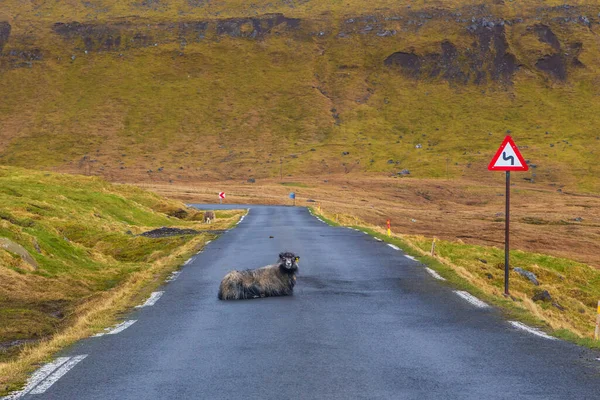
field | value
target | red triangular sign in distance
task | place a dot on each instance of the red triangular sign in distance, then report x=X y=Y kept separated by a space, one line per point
x=508 y=158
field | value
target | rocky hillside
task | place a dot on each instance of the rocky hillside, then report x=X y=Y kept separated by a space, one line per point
x=203 y=89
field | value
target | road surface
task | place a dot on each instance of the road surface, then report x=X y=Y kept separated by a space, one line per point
x=365 y=322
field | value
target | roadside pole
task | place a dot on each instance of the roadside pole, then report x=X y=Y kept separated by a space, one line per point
x=507 y=158
x=507 y=234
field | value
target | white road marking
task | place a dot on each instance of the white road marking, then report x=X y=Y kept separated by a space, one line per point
x=174 y=275
x=37 y=377
x=471 y=299
x=122 y=326
x=188 y=261
x=531 y=330
x=435 y=274
x=206 y=244
x=379 y=240
x=410 y=257
x=151 y=300
x=365 y=232
x=59 y=373
x=393 y=246
x=117 y=329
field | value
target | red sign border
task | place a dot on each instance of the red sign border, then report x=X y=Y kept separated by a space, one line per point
x=223 y=195
x=524 y=166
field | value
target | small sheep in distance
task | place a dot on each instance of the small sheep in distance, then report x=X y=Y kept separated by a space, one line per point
x=209 y=216
x=277 y=279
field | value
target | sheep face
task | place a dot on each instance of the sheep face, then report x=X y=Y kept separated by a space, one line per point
x=288 y=262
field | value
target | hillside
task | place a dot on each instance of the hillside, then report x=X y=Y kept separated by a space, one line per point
x=193 y=90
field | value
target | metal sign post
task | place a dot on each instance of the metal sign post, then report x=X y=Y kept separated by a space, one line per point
x=506 y=233
x=507 y=158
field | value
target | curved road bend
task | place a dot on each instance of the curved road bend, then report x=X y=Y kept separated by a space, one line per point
x=365 y=323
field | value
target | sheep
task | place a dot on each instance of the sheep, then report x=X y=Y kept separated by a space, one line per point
x=277 y=279
x=209 y=216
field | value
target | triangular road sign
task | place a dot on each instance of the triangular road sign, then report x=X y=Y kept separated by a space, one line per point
x=508 y=158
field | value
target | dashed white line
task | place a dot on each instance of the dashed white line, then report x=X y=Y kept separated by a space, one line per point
x=471 y=299
x=435 y=274
x=410 y=257
x=117 y=329
x=379 y=240
x=188 y=261
x=531 y=330
x=59 y=373
x=37 y=377
x=151 y=300
x=393 y=246
x=206 y=244
x=174 y=275
x=365 y=232
x=122 y=326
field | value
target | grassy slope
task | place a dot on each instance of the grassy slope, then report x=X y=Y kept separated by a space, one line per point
x=227 y=107
x=85 y=229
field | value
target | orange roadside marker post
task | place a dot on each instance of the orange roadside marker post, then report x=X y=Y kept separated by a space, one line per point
x=389 y=228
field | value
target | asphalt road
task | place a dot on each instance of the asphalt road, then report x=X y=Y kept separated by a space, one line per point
x=365 y=322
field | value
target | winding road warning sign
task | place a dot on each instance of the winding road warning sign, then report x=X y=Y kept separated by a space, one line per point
x=221 y=195
x=508 y=158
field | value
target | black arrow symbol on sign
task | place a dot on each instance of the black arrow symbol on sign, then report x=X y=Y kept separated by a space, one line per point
x=511 y=158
